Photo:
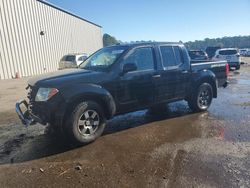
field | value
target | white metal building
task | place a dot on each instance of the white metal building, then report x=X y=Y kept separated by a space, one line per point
x=34 y=35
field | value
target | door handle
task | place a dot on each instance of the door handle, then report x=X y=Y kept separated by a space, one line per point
x=184 y=71
x=156 y=76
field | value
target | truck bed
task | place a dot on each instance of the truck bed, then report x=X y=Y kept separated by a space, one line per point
x=217 y=67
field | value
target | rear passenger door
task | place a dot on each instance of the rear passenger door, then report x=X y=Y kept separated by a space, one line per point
x=174 y=77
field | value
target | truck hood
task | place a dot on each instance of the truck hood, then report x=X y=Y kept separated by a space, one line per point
x=61 y=77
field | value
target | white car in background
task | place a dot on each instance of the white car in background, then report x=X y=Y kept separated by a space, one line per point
x=243 y=52
x=72 y=60
x=247 y=53
x=231 y=55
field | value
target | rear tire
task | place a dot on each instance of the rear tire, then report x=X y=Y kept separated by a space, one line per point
x=201 y=99
x=86 y=123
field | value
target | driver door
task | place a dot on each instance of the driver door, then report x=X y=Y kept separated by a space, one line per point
x=136 y=88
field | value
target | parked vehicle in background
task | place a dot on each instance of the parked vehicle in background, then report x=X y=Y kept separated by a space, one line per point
x=231 y=55
x=116 y=80
x=198 y=55
x=210 y=50
x=247 y=53
x=72 y=60
x=243 y=52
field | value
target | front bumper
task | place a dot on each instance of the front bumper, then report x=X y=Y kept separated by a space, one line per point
x=26 y=117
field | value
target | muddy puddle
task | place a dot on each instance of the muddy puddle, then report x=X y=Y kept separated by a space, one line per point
x=19 y=143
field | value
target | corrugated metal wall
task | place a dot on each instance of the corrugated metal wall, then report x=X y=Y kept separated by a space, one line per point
x=24 y=50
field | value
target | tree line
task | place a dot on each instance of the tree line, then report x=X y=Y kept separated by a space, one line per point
x=109 y=40
x=224 y=42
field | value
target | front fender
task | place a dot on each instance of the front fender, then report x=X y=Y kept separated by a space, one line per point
x=77 y=93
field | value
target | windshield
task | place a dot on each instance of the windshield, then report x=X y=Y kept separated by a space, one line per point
x=211 y=50
x=68 y=58
x=243 y=50
x=228 y=52
x=104 y=58
x=196 y=54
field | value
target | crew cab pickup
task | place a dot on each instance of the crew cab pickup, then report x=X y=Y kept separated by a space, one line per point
x=116 y=80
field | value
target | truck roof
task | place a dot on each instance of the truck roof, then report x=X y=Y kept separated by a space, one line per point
x=148 y=43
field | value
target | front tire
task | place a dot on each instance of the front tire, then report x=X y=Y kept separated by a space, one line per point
x=201 y=99
x=86 y=123
x=238 y=67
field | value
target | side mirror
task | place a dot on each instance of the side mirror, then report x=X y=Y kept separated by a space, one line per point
x=128 y=67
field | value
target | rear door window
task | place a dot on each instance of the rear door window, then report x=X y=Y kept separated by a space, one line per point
x=228 y=52
x=168 y=56
x=178 y=55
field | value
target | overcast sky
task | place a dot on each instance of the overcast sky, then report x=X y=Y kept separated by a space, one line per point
x=164 y=20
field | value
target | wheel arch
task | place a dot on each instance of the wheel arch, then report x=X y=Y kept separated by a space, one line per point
x=206 y=76
x=80 y=93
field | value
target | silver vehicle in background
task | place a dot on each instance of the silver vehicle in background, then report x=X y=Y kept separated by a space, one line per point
x=243 y=52
x=72 y=60
x=247 y=54
x=231 y=55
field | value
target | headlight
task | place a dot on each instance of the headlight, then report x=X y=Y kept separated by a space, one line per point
x=45 y=94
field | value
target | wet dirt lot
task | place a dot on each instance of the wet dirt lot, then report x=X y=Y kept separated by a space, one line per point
x=175 y=149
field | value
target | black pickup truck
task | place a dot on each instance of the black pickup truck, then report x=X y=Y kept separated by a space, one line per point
x=116 y=80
